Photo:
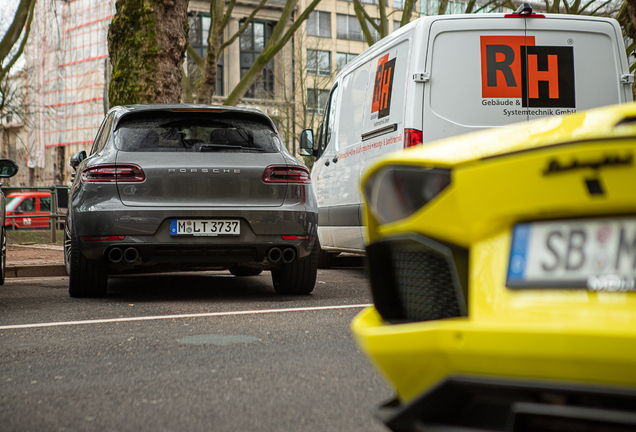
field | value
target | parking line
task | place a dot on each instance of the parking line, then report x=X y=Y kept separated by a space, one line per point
x=164 y=317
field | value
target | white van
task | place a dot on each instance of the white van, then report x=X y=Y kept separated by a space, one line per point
x=446 y=75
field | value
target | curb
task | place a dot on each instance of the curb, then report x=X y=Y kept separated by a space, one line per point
x=41 y=270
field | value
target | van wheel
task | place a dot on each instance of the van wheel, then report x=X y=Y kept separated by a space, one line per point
x=325 y=259
x=87 y=278
x=3 y=255
x=298 y=277
x=245 y=271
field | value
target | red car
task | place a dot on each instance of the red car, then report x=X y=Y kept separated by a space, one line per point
x=33 y=209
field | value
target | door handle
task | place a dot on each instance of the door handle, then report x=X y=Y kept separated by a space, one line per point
x=335 y=159
x=327 y=163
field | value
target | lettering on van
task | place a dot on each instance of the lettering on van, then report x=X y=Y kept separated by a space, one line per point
x=383 y=88
x=374 y=145
x=541 y=76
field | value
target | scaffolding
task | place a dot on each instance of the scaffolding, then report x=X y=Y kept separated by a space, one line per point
x=67 y=64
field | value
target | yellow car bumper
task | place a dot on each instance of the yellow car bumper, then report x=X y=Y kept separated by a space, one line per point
x=415 y=356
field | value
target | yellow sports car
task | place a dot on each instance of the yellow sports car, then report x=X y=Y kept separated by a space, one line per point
x=503 y=272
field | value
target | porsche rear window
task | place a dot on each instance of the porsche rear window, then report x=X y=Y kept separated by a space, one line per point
x=195 y=132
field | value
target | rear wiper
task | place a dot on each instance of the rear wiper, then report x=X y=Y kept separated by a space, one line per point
x=212 y=147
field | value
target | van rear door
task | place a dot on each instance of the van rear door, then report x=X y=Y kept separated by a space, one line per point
x=493 y=71
x=474 y=68
x=572 y=64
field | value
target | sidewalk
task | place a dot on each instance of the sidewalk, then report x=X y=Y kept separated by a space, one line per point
x=35 y=260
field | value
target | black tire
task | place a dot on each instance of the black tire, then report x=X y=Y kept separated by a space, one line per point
x=67 y=253
x=298 y=277
x=325 y=259
x=87 y=278
x=245 y=271
x=3 y=255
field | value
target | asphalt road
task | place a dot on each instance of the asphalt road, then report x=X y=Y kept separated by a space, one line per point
x=140 y=361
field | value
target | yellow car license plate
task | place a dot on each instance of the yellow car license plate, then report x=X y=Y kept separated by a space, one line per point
x=597 y=254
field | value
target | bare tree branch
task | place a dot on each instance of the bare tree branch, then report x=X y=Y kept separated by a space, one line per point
x=363 y=18
x=196 y=57
x=407 y=12
x=4 y=70
x=25 y=8
x=243 y=27
x=275 y=44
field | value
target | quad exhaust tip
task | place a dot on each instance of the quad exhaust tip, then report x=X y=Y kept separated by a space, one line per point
x=131 y=255
x=289 y=255
x=115 y=255
x=276 y=255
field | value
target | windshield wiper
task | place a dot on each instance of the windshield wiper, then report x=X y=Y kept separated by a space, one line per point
x=212 y=147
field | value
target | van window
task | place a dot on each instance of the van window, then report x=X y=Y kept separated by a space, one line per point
x=328 y=122
x=354 y=87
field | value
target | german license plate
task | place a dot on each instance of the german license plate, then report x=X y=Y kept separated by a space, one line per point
x=208 y=228
x=597 y=254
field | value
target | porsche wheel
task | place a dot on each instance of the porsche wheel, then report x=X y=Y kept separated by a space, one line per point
x=3 y=255
x=298 y=277
x=87 y=278
x=67 y=253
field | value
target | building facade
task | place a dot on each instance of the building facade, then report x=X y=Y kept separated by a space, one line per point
x=67 y=71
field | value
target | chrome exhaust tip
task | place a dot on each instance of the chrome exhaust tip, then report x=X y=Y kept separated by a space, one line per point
x=274 y=255
x=130 y=255
x=115 y=255
x=289 y=255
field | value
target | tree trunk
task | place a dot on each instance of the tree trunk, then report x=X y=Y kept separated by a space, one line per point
x=60 y=165
x=146 y=43
x=627 y=18
x=208 y=80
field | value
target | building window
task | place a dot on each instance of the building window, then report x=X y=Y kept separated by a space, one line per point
x=342 y=59
x=199 y=31
x=348 y=27
x=316 y=100
x=398 y=4
x=319 y=24
x=396 y=25
x=318 y=62
x=252 y=43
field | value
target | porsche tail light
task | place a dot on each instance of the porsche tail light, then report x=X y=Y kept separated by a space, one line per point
x=396 y=192
x=102 y=238
x=297 y=237
x=412 y=137
x=114 y=173
x=286 y=174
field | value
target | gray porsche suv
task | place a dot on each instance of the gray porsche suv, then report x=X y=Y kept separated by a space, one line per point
x=189 y=187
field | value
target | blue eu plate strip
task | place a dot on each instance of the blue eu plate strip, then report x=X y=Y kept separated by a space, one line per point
x=519 y=252
x=173 y=227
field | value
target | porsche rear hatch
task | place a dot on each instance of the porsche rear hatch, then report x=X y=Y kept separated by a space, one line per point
x=199 y=158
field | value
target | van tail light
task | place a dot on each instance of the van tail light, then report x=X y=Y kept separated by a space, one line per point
x=518 y=15
x=114 y=173
x=412 y=137
x=285 y=174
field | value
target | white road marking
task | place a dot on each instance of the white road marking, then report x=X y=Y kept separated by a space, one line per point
x=163 y=317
